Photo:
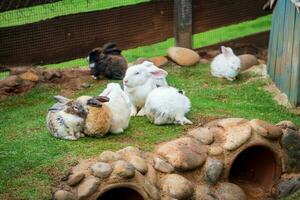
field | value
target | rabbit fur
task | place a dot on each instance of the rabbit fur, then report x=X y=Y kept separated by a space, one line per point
x=65 y=119
x=226 y=65
x=139 y=81
x=119 y=104
x=167 y=105
x=108 y=62
x=98 y=119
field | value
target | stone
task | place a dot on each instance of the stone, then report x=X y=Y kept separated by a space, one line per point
x=204 y=61
x=183 y=153
x=11 y=81
x=109 y=156
x=215 y=151
x=152 y=175
x=290 y=142
x=213 y=170
x=230 y=191
x=151 y=190
x=248 y=61
x=288 y=187
x=265 y=129
x=88 y=187
x=101 y=170
x=139 y=164
x=129 y=151
x=183 y=56
x=203 y=192
x=287 y=124
x=257 y=70
x=237 y=136
x=123 y=169
x=159 y=61
x=177 y=186
x=202 y=134
x=30 y=76
x=163 y=166
x=230 y=122
x=75 y=178
x=63 y=195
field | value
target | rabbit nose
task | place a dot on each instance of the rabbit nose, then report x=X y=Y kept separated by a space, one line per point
x=125 y=81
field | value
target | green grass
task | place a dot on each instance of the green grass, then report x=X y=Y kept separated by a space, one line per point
x=51 y=10
x=31 y=160
x=199 y=40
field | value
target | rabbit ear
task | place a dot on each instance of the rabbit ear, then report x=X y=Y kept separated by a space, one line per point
x=61 y=99
x=148 y=64
x=157 y=73
x=227 y=51
x=109 y=45
x=106 y=92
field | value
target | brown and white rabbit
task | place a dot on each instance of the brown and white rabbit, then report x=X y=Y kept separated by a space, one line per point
x=108 y=62
x=99 y=117
x=65 y=119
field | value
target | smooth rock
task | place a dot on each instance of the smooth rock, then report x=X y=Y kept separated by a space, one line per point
x=163 y=166
x=183 y=56
x=237 y=136
x=290 y=142
x=287 y=124
x=183 y=153
x=230 y=122
x=139 y=164
x=109 y=156
x=11 y=81
x=88 y=187
x=215 y=151
x=151 y=190
x=288 y=187
x=247 y=61
x=129 y=151
x=152 y=175
x=202 y=134
x=230 y=191
x=177 y=186
x=30 y=76
x=213 y=170
x=203 y=192
x=101 y=170
x=63 y=195
x=257 y=70
x=265 y=129
x=123 y=169
x=75 y=178
x=159 y=61
x=204 y=61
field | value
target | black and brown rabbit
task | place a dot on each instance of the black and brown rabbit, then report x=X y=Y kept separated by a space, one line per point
x=108 y=62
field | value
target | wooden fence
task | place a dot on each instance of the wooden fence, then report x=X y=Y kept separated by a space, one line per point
x=6 y=5
x=284 y=50
x=72 y=36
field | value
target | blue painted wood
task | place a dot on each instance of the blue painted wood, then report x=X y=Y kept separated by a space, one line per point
x=284 y=50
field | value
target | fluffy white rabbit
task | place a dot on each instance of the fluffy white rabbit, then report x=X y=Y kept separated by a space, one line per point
x=226 y=65
x=139 y=81
x=65 y=119
x=167 y=105
x=119 y=104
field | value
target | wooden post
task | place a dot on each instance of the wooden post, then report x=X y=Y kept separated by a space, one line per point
x=183 y=23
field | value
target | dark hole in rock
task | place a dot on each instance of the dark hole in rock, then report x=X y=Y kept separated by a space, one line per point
x=255 y=170
x=121 y=193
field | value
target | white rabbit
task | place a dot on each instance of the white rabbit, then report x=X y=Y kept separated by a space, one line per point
x=119 y=104
x=65 y=119
x=167 y=105
x=139 y=81
x=226 y=65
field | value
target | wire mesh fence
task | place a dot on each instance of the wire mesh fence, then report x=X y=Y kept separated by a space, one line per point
x=53 y=32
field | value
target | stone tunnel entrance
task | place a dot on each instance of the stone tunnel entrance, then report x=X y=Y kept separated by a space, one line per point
x=124 y=193
x=256 y=171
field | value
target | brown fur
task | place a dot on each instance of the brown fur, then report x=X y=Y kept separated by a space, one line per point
x=98 y=121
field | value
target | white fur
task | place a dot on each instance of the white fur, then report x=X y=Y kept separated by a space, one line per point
x=165 y=105
x=139 y=81
x=226 y=65
x=119 y=104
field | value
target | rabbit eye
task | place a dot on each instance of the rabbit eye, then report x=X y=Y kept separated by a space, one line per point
x=137 y=73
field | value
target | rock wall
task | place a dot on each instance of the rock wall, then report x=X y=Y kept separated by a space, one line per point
x=205 y=163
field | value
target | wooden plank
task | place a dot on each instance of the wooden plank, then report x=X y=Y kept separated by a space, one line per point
x=183 y=23
x=273 y=45
x=295 y=73
x=281 y=5
x=288 y=43
x=72 y=36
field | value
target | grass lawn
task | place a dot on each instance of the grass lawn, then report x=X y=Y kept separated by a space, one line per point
x=60 y=8
x=31 y=159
